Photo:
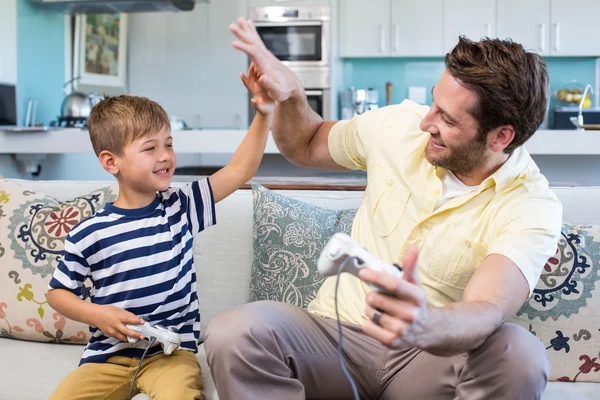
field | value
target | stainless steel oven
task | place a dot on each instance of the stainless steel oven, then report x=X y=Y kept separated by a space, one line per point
x=317 y=90
x=298 y=36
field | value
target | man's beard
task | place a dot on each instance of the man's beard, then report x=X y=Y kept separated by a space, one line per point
x=463 y=160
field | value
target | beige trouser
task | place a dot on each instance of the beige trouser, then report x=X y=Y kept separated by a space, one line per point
x=161 y=377
x=269 y=350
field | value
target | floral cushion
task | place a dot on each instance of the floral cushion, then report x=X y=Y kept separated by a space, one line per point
x=289 y=236
x=33 y=228
x=564 y=309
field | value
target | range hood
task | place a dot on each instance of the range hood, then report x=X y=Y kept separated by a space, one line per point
x=115 y=6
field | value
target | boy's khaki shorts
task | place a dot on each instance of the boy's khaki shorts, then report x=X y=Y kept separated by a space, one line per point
x=161 y=377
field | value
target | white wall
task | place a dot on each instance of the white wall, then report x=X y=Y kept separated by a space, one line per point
x=8 y=41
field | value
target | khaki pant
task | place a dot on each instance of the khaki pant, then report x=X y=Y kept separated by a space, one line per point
x=161 y=377
x=269 y=350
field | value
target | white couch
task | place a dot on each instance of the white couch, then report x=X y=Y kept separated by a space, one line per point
x=223 y=257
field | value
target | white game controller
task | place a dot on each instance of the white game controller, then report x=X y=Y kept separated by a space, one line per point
x=168 y=339
x=340 y=247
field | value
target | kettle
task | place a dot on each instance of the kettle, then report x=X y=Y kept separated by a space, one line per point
x=77 y=104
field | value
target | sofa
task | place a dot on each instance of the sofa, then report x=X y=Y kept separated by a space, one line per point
x=38 y=347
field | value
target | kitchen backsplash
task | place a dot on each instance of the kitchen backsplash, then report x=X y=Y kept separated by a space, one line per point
x=405 y=72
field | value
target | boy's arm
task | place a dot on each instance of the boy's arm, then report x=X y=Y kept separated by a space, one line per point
x=63 y=296
x=110 y=320
x=248 y=155
x=245 y=161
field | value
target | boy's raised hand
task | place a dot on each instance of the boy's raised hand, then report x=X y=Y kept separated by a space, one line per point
x=274 y=77
x=261 y=100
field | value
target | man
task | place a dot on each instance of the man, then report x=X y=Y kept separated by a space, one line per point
x=455 y=198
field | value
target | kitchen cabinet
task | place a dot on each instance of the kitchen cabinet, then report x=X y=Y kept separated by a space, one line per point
x=384 y=28
x=364 y=28
x=551 y=27
x=185 y=62
x=8 y=49
x=416 y=28
x=575 y=27
x=526 y=22
x=473 y=18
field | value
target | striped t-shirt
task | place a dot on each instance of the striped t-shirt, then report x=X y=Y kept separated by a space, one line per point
x=140 y=260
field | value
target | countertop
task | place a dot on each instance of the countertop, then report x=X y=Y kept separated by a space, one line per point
x=74 y=140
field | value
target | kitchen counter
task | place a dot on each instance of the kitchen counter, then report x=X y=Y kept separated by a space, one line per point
x=60 y=141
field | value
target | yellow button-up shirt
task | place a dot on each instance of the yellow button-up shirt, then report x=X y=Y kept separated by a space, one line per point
x=513 y=212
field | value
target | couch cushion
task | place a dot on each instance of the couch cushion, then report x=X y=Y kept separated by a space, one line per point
x=31 y=370
x=33 y=227
x=289 y=236
x=564 y=309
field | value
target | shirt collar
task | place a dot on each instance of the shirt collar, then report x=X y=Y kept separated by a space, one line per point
x=511 y=170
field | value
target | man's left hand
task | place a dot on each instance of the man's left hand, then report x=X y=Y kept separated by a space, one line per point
x=404 y=320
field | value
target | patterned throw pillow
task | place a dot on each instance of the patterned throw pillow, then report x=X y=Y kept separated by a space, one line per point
x=564 y=309
x=289 y=236
x=33 y=228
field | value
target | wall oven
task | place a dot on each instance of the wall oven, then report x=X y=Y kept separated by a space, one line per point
x=300 y=37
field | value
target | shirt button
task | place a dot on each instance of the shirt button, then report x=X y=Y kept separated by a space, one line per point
x=436 y=192
x=467 y=244
x=390 y=182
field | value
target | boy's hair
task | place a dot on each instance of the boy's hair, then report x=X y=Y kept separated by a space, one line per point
x=117 y=121
x=511 y=83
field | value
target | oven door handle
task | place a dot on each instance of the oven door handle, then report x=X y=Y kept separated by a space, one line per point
x=284 y=24
x=313 y=92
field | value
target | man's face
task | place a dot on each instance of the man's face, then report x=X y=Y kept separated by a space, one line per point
x=455 y=143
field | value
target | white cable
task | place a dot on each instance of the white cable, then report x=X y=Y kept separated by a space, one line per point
x=152 y=341
x=340 y=335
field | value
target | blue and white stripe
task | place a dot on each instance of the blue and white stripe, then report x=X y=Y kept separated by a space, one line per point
x=140 y=260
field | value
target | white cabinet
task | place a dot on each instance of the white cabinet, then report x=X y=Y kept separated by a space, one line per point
x=473 y=18
x=552 y=27
x=383 y=28
x=364 y=28
x=185 y=62
x=8 y=48
x=526 y=22
x=416 y=28
x=575 y=27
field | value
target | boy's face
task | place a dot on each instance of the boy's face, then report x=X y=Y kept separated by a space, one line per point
x=148 y=163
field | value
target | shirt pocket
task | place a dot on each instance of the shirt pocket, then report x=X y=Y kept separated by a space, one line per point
x=454 y=257
x=387 y=205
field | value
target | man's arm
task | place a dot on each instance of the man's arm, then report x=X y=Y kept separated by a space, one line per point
x=300 y=133
x=494 y=294
x=526 y=236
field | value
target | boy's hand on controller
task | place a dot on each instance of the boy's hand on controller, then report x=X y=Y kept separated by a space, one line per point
x=404 y=319
x=112 y=320
x=260 y=98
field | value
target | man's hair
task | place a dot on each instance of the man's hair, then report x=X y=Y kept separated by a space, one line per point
x=511 y=85
x=117 y=121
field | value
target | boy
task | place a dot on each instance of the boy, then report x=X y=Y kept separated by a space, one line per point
x=137 y=252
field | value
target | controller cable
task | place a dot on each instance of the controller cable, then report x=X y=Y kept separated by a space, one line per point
x=152 y=341
x=339 y=325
